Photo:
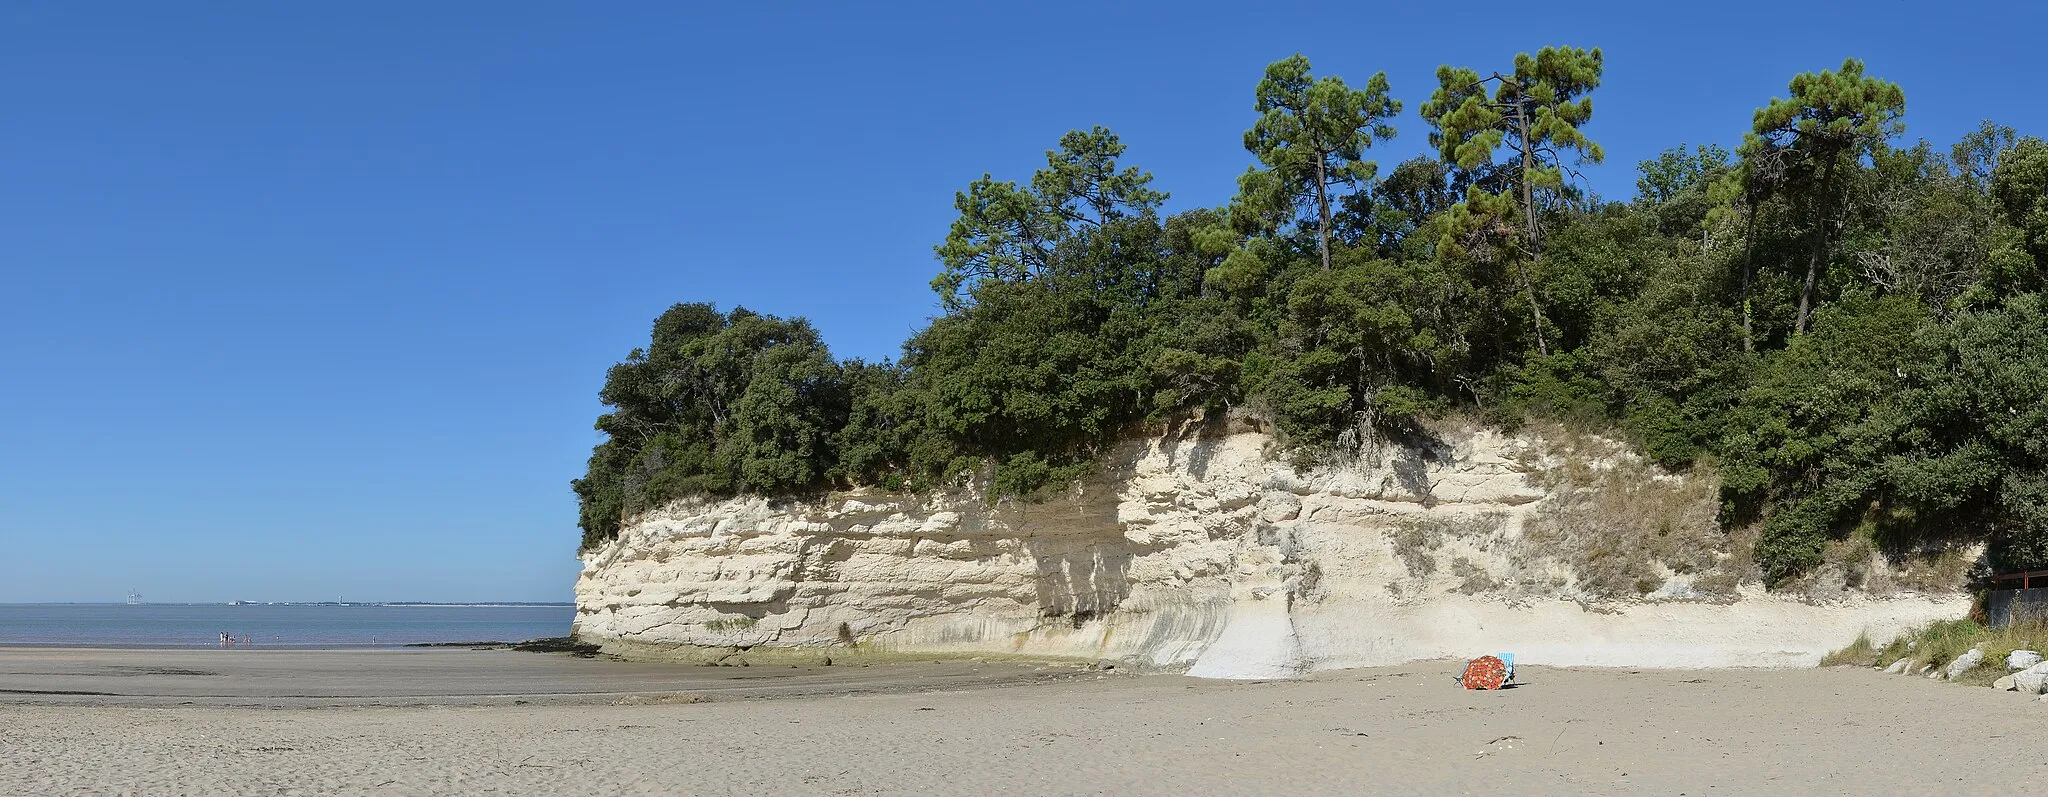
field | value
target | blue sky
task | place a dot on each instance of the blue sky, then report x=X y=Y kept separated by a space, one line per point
x=308 y=300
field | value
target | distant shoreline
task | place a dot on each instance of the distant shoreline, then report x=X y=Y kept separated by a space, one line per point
x=490 y=605
x=538 y=645
x=245 y=647
x=277 y=626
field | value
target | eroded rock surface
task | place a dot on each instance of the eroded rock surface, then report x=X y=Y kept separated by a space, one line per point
x=1201 y=552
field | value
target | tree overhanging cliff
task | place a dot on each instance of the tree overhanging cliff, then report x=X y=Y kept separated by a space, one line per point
x=1849 y=327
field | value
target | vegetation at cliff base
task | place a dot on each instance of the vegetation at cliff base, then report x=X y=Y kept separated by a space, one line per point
x=1848 y=324
x=1943 y=641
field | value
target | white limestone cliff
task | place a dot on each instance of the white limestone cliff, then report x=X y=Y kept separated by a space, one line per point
x=1201 y=552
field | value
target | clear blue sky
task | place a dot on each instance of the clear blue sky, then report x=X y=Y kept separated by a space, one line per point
x=304 y=300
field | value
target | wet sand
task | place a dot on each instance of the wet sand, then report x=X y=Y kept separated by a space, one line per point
x=444 y=676
x=978 y=728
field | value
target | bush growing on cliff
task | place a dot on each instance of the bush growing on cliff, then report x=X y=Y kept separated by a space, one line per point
x=1853 y=334
x=716 y=404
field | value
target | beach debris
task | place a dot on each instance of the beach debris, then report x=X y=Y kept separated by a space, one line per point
x=2032 y=680
x=2003 y=684
x=1964 y=663
x=1898 y=667
x=2021 y=659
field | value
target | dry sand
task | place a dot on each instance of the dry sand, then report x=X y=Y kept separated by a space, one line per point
x=450 y=722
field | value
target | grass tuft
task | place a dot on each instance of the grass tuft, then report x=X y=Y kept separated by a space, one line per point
x=1860 y=653
x=1940 y=642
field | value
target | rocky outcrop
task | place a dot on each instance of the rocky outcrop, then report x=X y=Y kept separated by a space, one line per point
x=1198 y=550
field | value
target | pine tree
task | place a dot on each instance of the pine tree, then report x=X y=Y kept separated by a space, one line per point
x=1830 y=116
x=1536 y=113
x=1311 y=136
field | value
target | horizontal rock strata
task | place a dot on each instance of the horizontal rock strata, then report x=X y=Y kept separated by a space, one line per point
x=1202 y=552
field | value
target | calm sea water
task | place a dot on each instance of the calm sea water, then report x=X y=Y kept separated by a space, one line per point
x=180 y=625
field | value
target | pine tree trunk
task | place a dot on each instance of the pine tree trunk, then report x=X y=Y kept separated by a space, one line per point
x=1529 y=290
x=1528 y=192
x=1748 y=268
x=1529 y=215
x=1323 y=213
x=1820 y=247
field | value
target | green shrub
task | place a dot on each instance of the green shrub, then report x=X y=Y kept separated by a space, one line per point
x=1940 y=642
x=1911 y=404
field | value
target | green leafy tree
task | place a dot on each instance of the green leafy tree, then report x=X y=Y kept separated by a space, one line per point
x=1830 y=118
x=1678 y=185
x=1929 y=230
x=1082 y=184
x=1760 y=177
x=1004 y=234
x=1011 y=233
x=1311 y=136
x=1908 y=412
x=884 y=420
x=778 y=438
x=1358 y=344
x=1030 y=377
x=717 y=403
x=1198 y=340
x=1971 y=454
x=1536 y=113
x=1976 y=154
x=1672 y=357
x=1806 y=445
x=1386 y=216
x=2019 y=184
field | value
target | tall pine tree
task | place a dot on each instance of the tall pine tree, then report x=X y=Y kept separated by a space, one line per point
x=1536 y=114
x=1830 y=116
x=1311 y=136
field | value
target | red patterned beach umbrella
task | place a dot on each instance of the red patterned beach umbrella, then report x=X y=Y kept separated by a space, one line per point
x=1485 y=672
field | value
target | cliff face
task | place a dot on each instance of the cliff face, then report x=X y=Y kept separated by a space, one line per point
x=1199 y=552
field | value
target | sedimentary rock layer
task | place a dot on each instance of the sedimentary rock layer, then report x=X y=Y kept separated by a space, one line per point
x=1198 y=550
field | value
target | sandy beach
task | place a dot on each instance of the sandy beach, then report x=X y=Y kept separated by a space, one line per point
x=502 y=722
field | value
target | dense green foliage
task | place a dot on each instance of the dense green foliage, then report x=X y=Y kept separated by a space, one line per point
x=1849 y=327
x=1311 y=136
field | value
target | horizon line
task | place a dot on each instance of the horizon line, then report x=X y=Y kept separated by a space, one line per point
x=297 y=603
